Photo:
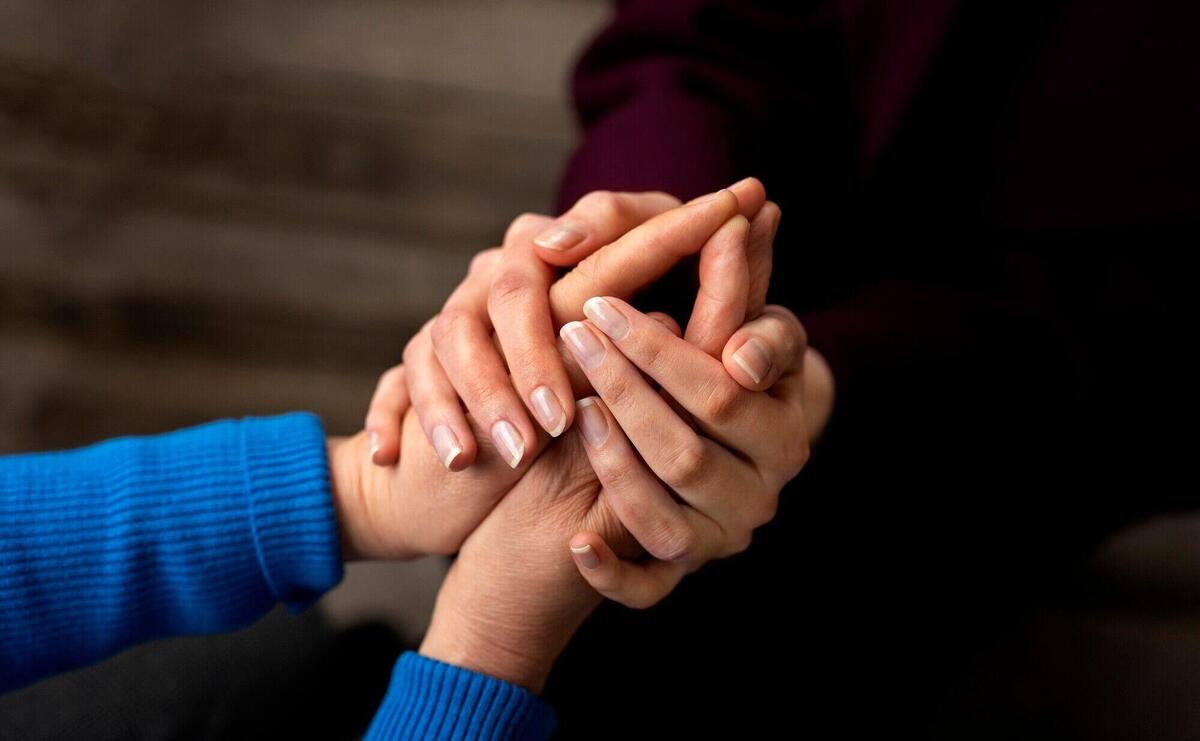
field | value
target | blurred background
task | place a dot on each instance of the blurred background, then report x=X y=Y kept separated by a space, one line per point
x=224 y=207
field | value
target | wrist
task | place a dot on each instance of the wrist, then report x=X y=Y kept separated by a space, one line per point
x=346 y=480
x=459 y=644
x=477 y=630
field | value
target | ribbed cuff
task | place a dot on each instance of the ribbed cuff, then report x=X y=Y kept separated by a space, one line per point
x=292 y=514
x=431 y=700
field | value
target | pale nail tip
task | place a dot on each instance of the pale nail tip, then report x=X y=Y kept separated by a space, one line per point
x=451 y=457
x=547 y=244
x=585 y=402
x=746 y=367
x=516 y=459
x=581 y=550
x=562 y=425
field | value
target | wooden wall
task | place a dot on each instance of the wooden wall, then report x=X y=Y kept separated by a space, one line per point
x=247 y=206
x=223 y=207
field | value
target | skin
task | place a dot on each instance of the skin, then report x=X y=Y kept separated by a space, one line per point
x=463 y=358
x=512 y=600
x=415 y=508
x=683 y=474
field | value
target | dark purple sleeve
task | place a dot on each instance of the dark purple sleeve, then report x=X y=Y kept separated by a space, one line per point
x=678 y=95
x=672 y=94
x=932 y=349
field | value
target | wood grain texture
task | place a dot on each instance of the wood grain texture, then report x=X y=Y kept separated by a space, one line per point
x=219 y=208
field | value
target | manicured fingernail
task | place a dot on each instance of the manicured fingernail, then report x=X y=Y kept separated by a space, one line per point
x=549 y=412
x=508 y=442
x=374 y=445
x=446 y=444
x=591 y=422
x=605 y=316
x=753 y=358
x=584 y=345
x=586 y=557
x=561 y=237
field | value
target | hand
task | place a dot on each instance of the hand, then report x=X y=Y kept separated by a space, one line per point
x=415 y=508
x=512 y=599
x=727 y=473
x=457 y=355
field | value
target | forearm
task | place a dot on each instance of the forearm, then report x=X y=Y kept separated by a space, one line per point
x=196 y=531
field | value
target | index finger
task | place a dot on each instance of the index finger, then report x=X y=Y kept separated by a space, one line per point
x=600 y=217
x=642 y=256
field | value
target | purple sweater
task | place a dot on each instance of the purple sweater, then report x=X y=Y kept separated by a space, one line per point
x=971 y=194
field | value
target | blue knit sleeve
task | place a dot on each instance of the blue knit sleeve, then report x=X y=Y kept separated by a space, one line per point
x=431 y=700
x=195 y=531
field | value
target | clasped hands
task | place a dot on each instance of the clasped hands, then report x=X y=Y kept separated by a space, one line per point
x=676 y=450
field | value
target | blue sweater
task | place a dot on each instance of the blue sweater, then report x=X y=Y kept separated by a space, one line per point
x=199 y=531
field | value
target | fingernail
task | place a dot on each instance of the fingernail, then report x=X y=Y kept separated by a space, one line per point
x=561 y=237
x=508 y=442
x=605 y=316
x=549 y=412
x=584 y=345
x=586 y=557
x=374 y=445
x=591 y=422
x=446 y=444
x=753 y=358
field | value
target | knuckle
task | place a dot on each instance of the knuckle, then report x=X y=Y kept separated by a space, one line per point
x=739 y=543
x=800 y=453
x=664 y=196
x=722 y=401
x=789 y=460
x=409 y=356
x=446 y=325
x=684 y=466
x=659 y=242
x=640 y=600
x=604 y=206
x=483 y=399
x=616 y=475
x=412 y=350
x=673 y=543
x=523 y=224
x=792 y=329
x=764 y=510
x=392 y=377
x=654 y=356
x=797 y=337
x=483 y=261
x=508 y=286
x=589 y=272
x=619 y=390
